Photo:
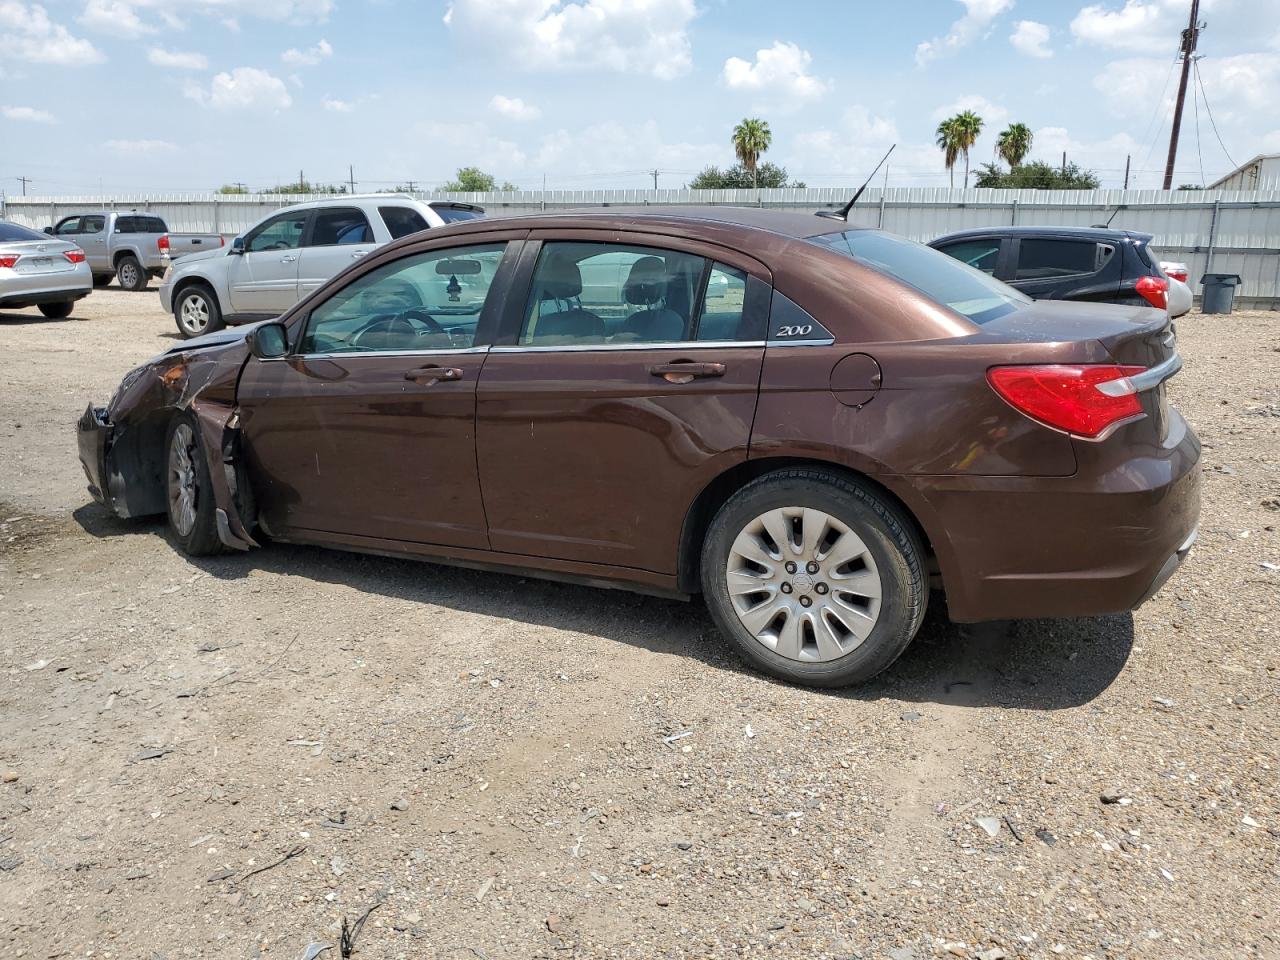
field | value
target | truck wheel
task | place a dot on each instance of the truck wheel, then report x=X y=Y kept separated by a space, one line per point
x=196 y=312
x=130 y=274
x=101 y=280
x=189 y=491
x=814 y=578
x=57 y=311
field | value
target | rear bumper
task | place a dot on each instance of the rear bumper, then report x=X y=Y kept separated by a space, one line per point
x=1097 y=543
x=29 y=291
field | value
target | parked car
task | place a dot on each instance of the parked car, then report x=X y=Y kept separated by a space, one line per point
x=38 y=271
x=290 y=253
x=131 y=247
x=1180 y=295
x=1068 y=263
x=846 y=419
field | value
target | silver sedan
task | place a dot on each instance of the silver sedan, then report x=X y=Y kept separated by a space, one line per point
x=39 y=271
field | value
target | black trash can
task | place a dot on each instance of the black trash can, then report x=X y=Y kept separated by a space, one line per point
x=1219 y=292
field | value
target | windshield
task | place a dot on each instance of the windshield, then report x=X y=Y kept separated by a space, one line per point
x=941 y=278
x=458 y=214
x=12 y=233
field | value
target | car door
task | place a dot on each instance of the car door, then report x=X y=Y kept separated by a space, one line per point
x=1065 y=268
x=366 y=430
x=624 y=380
x=263 y=280
x=92 y=239
x=337 y=237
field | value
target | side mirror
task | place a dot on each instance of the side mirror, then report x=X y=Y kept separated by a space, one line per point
x=49 y=231
x=237 y=246
x=270 y=341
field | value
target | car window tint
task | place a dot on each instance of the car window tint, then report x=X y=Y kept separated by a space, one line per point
x=979 y=254
x=15 y=233
x=457 y=214
x=722 y=304
x=942 y=279
x=402 y=221
x=1046 y=259
x=94 y=224
x=281 y=233
x=126 y=225
x=67 y=227
x=151 y=225
x=600 y=293
x=340 y=225
x=429 y=301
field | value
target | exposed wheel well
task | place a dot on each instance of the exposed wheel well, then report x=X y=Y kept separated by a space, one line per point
x=121 y=254
x=719 y=490
x=185 y=285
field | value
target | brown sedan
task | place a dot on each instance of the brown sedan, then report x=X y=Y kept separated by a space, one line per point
x=807 y=423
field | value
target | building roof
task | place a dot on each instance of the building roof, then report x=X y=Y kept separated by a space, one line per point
x=1242 y=168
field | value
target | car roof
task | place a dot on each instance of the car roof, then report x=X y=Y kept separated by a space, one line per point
x=1084 y=233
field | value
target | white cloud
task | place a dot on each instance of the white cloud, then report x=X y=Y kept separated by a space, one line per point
x=978 y=15
x=307 y=58
x=993 y=115
x=28 y=114
x=177 y=60
x=136 y=148
x=118 y=17
x=1138 y=25
x=29 y=34
x=244 y=88
x=780 y=70
x=337 y=106
x=514 y=108
x=627 y=36
x=1031 y=39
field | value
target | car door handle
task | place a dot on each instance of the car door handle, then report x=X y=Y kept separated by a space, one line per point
x=288 y=259
x=431 y=374
x=685 y=371
x=358 y=254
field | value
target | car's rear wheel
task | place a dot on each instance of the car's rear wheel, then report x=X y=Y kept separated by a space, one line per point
x=57 y=311
x=189 y=492
x=814 y=578
x=196 y=312
x=130 y=274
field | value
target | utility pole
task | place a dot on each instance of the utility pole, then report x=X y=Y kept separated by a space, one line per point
x=242 y=186
x=351 y=174
x=1127 y=158
x=25 y=181
x=655 y=179
x=302 y=181
x=1064 y=162
x=1189 y=37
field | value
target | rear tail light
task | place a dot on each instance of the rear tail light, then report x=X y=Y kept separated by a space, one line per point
x=1082 y=399
x=8 y=259
x=75 y=256
x=163 y=243
x=1154 y=290
x=222 y=241
x=1179 y=275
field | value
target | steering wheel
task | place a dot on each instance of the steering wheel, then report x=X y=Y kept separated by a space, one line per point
x=424 y=318
x=280 y=245
x=412 y=323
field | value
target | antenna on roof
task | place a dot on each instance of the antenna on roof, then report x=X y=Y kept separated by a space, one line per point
x=1107 y=225
x=843 y=212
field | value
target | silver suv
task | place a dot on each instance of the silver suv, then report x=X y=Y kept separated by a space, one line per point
x=294 y=251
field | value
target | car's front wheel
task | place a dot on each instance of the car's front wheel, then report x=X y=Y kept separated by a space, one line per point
x=196 y=312
x=814 y=578
x=189 y=491
x=130 y=274
x=57 y=311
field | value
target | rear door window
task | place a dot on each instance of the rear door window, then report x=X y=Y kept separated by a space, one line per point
x=126 y=225
x=402 y=221
x=1049 y=259
x=93 y=224
x=979 y=254
x=338 y=226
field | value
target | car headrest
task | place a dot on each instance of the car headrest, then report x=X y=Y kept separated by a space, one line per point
x=560 y=278
x=647 y=282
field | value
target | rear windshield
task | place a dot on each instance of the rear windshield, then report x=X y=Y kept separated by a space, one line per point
x=941 y=278
x=12 y=233
x=457 y=214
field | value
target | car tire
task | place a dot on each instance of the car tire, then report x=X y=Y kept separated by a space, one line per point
x=101 y=280
x=131 y=275
x=57 y=311
x=192 y=514
x=195 y=311
x=815 y=618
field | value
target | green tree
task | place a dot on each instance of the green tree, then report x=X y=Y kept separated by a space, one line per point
x=1036 y=176
x=751 y=138
x=475 y=180
x=233 y=189
x=767 y=175
x=948 y=140
x=1014 y=143
x=303 y=185
x=968 y=127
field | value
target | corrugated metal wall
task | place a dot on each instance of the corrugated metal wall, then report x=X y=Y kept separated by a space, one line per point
x=1221 y=230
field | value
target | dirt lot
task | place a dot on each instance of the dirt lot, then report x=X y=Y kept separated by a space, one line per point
x=486 y=757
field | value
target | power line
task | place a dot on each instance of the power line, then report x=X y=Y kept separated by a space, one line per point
x=1209 y=111
x=1195 y=103
x=25 y=181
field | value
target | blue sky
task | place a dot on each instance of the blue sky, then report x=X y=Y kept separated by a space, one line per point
x=162 y=96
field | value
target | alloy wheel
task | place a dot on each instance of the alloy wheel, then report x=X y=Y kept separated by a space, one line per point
x=128 y=275
x=183 y=487
x=194 y=314
x=803 y=584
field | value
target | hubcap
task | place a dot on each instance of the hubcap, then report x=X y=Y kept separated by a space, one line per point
x=804 y=584
x=182 y=486
x=194 y=314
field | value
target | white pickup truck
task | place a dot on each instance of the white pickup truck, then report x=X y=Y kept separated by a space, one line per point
x=130 y=246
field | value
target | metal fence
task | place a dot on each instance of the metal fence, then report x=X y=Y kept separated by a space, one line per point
x=1212 y=231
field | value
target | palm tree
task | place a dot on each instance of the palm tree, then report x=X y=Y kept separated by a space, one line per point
x=1014 y=143
x=751 y=138
x=949 y=143
x=968 y=126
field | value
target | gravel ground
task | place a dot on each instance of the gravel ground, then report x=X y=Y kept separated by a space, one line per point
x=492 y=764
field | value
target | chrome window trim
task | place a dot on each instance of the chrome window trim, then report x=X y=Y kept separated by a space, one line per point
x=601 y=347
x=379 y=353
x=825 y=342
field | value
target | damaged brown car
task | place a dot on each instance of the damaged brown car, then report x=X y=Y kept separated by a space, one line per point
x=809 y=424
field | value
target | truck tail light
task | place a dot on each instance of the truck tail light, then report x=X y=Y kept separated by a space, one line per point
x=222 y=241
x=1154 y=290
x=1070 y=397
x=162 y=244
x=8 y=259
x=74 y=256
